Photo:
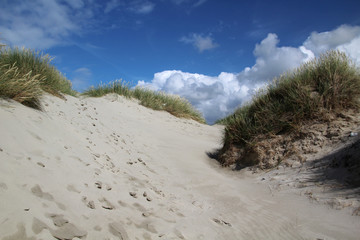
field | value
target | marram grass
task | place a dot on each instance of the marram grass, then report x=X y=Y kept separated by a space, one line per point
x=328 y=84
x=37 y=63
x=117 y=86
x=173 y=104
x=21 y=87
x=24 y=74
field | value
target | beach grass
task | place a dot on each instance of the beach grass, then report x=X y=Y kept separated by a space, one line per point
x=21 y=87
x=117 y=86
x=156 y=100
x=328 y=84
x=25 y=73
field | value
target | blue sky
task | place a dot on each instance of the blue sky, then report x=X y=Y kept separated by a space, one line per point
x=215 y=53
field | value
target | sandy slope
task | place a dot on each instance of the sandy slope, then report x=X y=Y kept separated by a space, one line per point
x=108 y=168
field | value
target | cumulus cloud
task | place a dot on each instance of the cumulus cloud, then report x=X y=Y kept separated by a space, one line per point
x=344 y=38
x=200 y=42
x=272 y=60
x=218 y=96
x=211 y=95
x=352 y=48
x=320 y=42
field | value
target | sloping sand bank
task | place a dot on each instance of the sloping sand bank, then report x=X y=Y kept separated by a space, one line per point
x=108 y=168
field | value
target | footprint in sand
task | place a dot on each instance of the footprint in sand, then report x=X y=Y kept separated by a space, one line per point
x=145 y=195
x=133 y=194
x=157 y=191
x=89 y=204
x=71 y=188
x=20 y=234
x=99 y=185
x=36 y=190
x=142 y=161
x=118 y=230
x=147 y=226
x=97 y=171
x=179 y=234
x=40 y=164
x=97 y=228
x=65 y=231
x=121 y=203
x=3 y=186
x=106 y=204
x=58 y=219
x=221 y=222
x=146 y=214
x=140 y=208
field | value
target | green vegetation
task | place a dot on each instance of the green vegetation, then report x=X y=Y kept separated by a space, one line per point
x=173 y=104
x=118 y=87
x=318 y=88
x=25 y=74
x=23 y=88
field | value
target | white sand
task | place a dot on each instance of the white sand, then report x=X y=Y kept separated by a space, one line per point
x=109 y=168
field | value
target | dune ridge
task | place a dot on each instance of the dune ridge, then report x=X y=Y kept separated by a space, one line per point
x=108 y=168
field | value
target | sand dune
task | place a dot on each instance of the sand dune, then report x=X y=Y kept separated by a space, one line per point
x=108 y=168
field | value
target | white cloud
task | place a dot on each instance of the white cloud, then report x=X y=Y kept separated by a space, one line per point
x=272 y=60
x=218 y=96
x=199 y=42
x=196 y=3
x=81 y=78
x=344 y=38
x=77 y=4
x=320 y=42
x=135 y=6
x=352 y=48
x=39 y=24
x=213 y=96
x=141 y=7
x=178 y=2
x=200 y=2
x=111 y=5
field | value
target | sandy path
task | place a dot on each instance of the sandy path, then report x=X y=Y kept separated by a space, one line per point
x=108 y=168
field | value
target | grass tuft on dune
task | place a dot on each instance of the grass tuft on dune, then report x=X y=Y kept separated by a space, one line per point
x=324 y=86
x=173 y=104
x=25 y=74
